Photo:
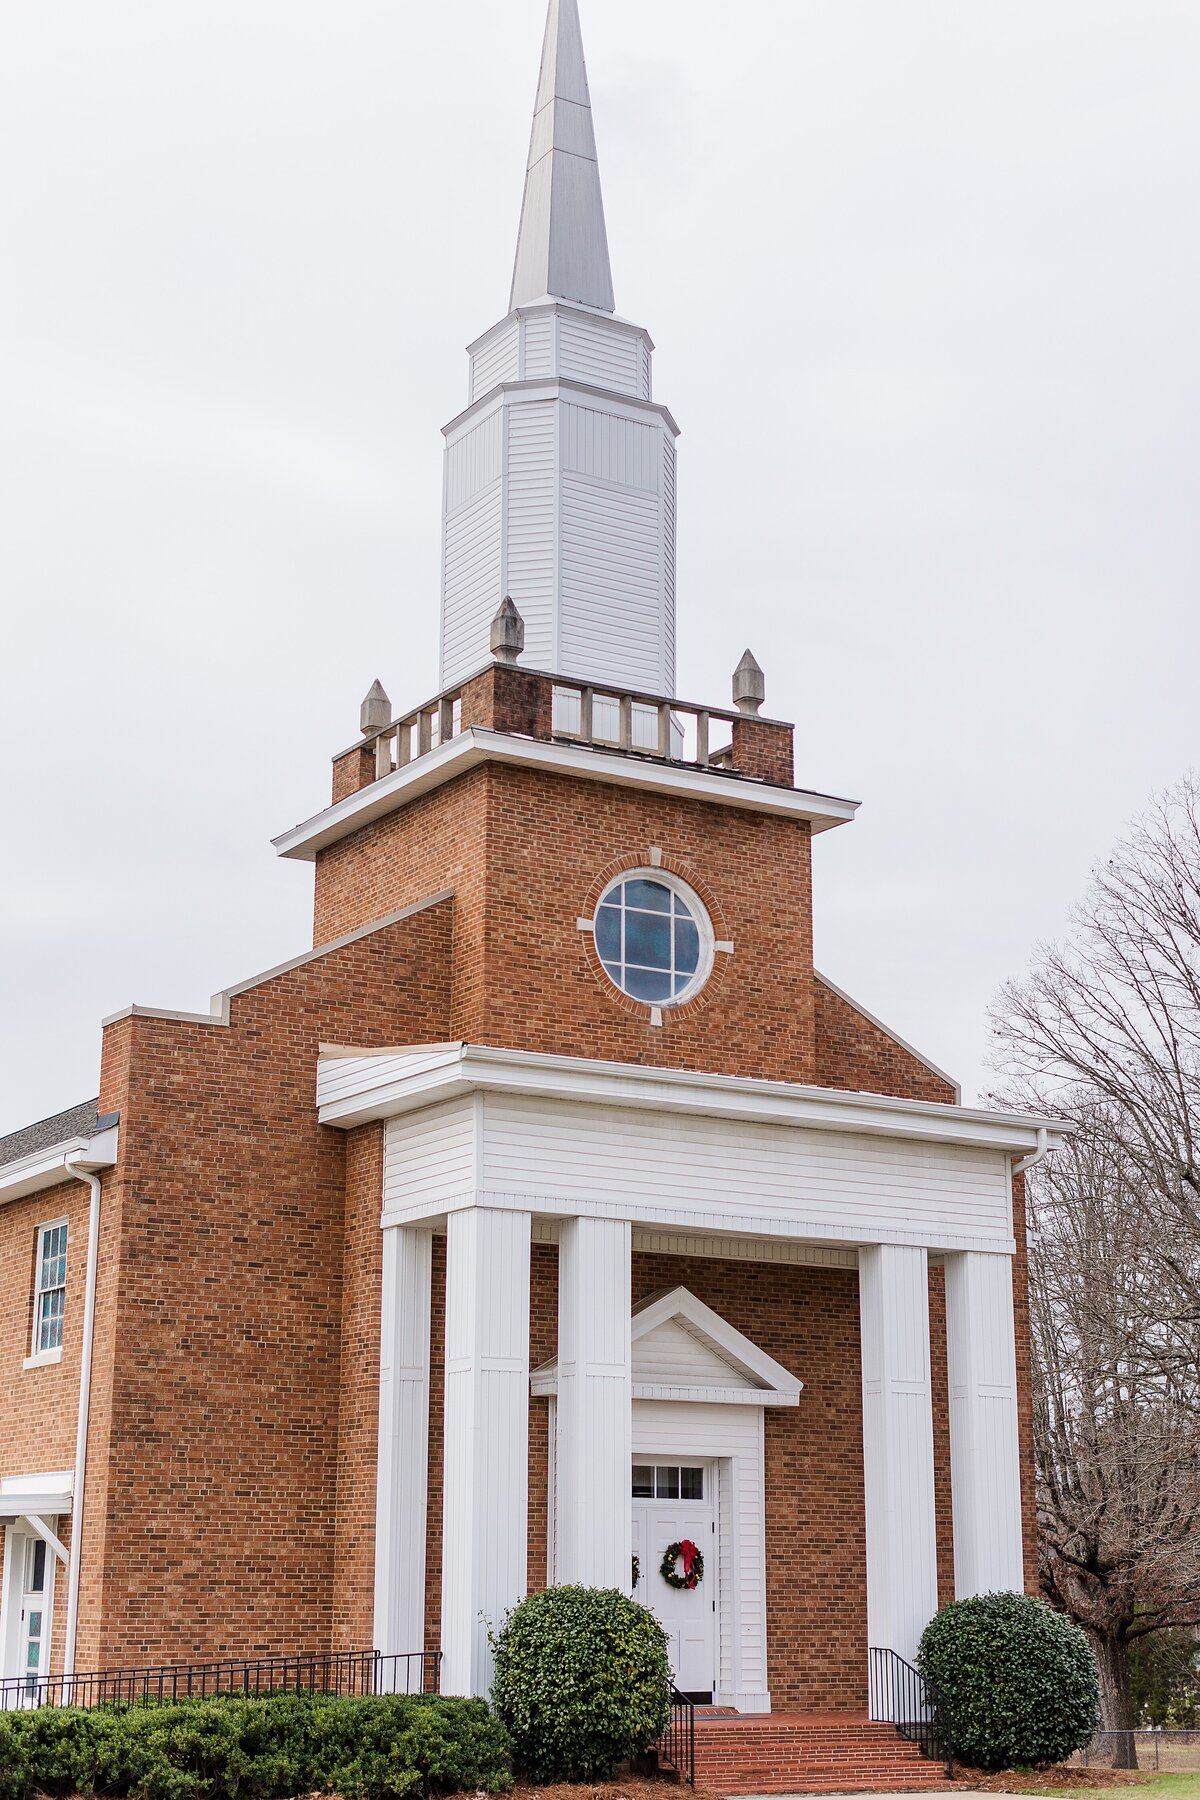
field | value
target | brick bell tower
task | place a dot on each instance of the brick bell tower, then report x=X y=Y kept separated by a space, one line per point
x=638 y=1083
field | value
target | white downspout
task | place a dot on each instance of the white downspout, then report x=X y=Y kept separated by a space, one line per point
x=81 y=1424
x=1039 y=1155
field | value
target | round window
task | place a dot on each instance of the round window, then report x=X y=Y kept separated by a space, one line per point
x=654 y=938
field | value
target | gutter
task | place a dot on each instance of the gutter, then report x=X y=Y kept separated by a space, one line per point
x=75 y=1166
x=1039 y=1155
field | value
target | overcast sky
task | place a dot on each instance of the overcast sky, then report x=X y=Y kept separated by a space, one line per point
x=924 y=277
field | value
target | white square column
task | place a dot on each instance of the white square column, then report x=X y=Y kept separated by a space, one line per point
x=486 y=1468
x=985 y=1457
x=902 y=1597
x=594 y=1421
x=403 y=1458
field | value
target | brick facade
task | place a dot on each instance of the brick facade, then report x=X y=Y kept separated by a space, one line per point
x=231 y=1487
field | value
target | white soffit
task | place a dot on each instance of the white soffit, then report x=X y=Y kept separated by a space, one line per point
x=475 y=746
x=39 y=1496
x=48 y=1168
x=354 y=1090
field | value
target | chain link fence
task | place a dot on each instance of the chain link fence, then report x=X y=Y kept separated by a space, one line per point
x=1147 y=1749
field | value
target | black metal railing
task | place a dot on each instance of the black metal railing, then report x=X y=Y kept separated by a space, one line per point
x=323 y=1672
x=676 y=1743
x=900 y=1695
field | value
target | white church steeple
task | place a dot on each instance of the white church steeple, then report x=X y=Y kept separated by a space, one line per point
x=560 y=476
x=562 y=246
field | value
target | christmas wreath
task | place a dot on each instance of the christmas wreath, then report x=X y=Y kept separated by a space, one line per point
x=682 y=1565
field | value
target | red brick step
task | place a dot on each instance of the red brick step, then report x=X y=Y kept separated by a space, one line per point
x=797 y=1753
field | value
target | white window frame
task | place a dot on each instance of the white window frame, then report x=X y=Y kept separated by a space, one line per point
x=39 y=1358
x=700 y=918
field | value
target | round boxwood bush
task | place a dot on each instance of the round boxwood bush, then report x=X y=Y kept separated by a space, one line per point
x=1018 y=1679
x=581 y=1682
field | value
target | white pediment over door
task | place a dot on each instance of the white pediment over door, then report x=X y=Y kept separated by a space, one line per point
x=683 y=1350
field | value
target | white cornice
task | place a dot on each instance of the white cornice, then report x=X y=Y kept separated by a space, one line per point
x=353 y=1091
x=48 y=1168
x=549 y=387
x=610 y=321
x=476 y=746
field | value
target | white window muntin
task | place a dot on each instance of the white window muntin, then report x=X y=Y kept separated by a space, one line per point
x=622 y=969
x=50 y=1287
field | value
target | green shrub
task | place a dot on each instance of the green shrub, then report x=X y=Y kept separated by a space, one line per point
x=1019 y=1680
x=582 y=1682
x=387 y=1747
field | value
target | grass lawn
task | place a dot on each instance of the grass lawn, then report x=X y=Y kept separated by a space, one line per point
x=1169 y=1787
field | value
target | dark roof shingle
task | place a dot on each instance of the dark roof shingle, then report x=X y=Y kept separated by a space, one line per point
x=77 y=1121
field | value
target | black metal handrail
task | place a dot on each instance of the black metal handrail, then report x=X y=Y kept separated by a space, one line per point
x=676 y=1742
x=900 y=1695
x=319 y=1672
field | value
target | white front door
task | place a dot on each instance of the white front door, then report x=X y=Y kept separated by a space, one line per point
x=27 y=1610
x=673 y=1503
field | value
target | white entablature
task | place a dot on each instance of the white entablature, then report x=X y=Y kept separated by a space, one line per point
x=559 y=487
x=561 y=1137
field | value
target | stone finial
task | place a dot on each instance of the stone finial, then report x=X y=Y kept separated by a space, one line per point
x=749 y=687
x=508 y=633
x=376 y=710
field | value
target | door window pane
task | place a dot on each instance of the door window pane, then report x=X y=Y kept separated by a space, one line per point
x=35 y=1567
x=666 y=1484
x=643 y=1481
x=691 y=1484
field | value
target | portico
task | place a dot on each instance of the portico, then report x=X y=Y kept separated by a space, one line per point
x=502 y=1151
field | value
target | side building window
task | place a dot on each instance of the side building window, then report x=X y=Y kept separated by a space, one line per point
x=50 y=1296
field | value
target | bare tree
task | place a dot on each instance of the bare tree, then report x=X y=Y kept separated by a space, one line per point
x=1106 y=1030
x=1117 y=1435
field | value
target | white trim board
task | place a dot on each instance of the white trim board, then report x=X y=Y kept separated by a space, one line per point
x=48 y=1168
x=476 y=746
x=354 y=1090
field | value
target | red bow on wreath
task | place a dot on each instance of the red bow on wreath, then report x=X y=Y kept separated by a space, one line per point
x=688 y=1553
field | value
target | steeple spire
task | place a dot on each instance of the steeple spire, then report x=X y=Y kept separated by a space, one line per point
x=562 y=247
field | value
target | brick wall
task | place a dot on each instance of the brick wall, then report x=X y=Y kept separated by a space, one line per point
x=523 y=852
x=221 y=1415
x=853 y=1052
x=39 y=1407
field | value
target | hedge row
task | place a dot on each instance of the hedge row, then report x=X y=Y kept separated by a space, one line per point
x=390 y=1747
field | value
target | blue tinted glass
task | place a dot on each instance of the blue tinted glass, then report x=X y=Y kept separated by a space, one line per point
x=651 y=895
x=608 y=933
x=648 y=940
x=647 y=984
x=687 y=947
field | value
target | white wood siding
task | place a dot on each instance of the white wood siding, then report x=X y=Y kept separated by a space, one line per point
x=496 y=360
x=592 y=1537
x=725 y=1173
x=668 y=559
x=612 y=598
x=902 y=1596
x=601 y=355
x=485 y=1509
x=532 y=512
x=539 y=346
x=625 y=451
x=669 y=1355
x=474 y=461
x=471 y=583
x=430 y=1156
x=985 y=1455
